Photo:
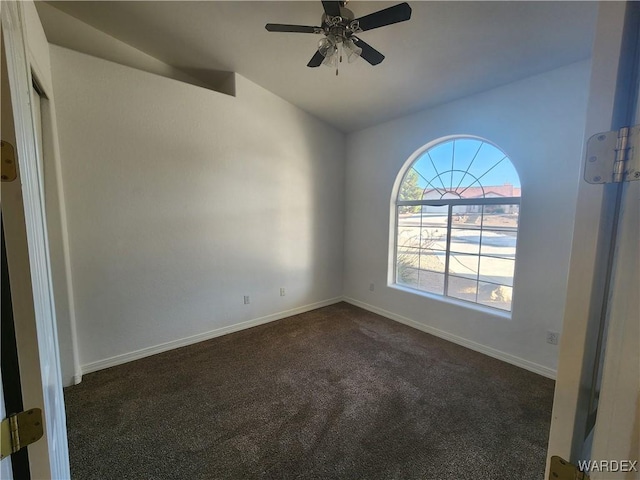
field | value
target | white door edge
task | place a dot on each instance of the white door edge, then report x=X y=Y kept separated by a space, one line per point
x=19 y=71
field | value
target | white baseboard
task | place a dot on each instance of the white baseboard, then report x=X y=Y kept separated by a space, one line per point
x=492 y=352
x=182 y=342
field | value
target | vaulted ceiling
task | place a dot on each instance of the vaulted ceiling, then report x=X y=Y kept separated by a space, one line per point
x=446 y=51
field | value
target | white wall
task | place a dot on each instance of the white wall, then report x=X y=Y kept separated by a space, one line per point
x=181 y=200
x=539 y=123
x=64 y=30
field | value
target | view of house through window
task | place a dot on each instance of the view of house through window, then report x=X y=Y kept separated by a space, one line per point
x=457 y=223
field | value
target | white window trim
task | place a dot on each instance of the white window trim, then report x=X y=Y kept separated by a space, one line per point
x=479 y=307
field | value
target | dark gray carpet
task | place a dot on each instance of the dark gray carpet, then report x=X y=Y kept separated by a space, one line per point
x=334 y=393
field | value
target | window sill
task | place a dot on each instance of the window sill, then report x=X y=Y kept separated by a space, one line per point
x=453 y=301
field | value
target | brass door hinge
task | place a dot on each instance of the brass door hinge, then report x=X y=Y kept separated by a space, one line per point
x=19 y=430
x=560 y=469
x=8 y=162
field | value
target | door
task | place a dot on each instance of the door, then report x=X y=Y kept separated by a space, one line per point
x=28 y=255
x=6 y=471
x=11 y=396
x=595 y=413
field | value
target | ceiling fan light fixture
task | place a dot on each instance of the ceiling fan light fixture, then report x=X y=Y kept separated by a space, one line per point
x=331 y=60
x=327 y=46
x=352 y=50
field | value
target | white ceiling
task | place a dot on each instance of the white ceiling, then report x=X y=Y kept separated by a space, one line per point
x=446 y=51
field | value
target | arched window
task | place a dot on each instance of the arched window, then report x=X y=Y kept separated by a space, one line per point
x=456 y=220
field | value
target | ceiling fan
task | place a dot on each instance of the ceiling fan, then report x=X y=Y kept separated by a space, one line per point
x=339 y=28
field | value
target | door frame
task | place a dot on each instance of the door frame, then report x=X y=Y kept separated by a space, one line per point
x=594 y=218
x=10 y=384
x=19 y=68
x=617 y=429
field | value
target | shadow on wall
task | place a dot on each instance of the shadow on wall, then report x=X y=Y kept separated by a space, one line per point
x=218 y=80
x=203 y=199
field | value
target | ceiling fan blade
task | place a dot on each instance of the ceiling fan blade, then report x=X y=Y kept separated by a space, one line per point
x=316 y=60
x=331 y=8
x=388 y=16
x=277 y=27
x=370 y=54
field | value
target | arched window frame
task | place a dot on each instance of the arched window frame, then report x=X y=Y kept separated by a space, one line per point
x=450 y=203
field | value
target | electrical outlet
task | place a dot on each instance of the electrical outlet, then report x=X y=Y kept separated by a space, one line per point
x=372 y=287
x=552 y=337
x=246 y=299
x=282 y=292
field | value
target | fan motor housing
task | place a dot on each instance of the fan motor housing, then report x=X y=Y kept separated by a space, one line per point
x=345 y=14
x=338 y=26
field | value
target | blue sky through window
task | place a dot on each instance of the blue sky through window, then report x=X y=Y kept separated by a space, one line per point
x=462 y=163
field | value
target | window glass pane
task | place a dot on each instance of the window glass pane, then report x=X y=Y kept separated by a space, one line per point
x=409 y=236
x=408 y=216
x=496 y=270
x=457 y=180
x=462 y=288
x=465 y=151
x=495 y=170
x=465 y=241
x=408 y=211
x=435 y=215
x=409 y=219
x=466 y=216
x=501 y=217
x=409 y=257
x=433 y=260
x=470 y=188
x=434 y=227
x=497 y=296
x=406 y=220
x=463 y=265
x=499 y=243
x=431 y=282
x=442 y=157
x=426 y=172
x=434 y=238
x=405 y=275
x=410 y=189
